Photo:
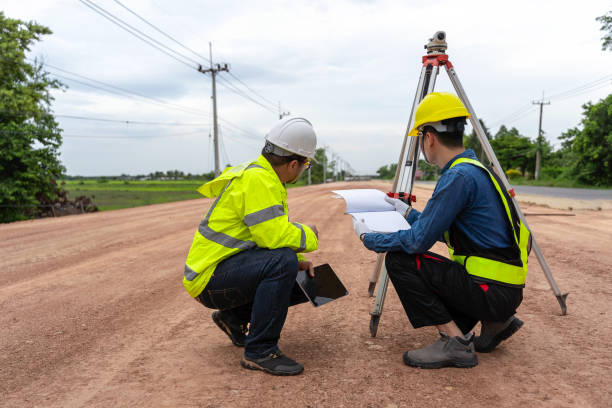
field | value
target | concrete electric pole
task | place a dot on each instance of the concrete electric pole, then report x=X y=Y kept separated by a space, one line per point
x=540 y=138
x=214 y=68
x=282 y=114
x=324 y=164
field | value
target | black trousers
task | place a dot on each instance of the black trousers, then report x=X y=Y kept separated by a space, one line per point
x=435 y=290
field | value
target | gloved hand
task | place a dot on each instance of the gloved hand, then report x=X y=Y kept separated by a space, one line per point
x=400 y=206
x=360 y=227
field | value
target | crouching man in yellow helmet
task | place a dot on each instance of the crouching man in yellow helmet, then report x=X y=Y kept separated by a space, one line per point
x=246 y=253
x=471 y=211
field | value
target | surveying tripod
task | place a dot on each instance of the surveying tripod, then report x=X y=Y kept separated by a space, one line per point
x=408 y=163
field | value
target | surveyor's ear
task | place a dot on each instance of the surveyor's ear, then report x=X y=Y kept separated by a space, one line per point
x=293 y=164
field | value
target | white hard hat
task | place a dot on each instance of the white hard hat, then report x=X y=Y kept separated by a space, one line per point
x=294 y=135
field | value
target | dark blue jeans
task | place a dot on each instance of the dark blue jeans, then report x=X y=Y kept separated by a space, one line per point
x=255 y=286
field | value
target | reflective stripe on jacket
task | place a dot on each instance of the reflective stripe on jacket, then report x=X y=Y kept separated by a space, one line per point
x=250 y=211
x=503 y=265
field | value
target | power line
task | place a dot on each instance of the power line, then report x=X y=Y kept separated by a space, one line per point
x=251 y=89
x=124 y=90
x=237 y=91
x=244 y=139
x=162 y=32
x=51 y=132
x=199 y=131
x=139 y=34
x=149 y=40
x=246 y=132
x=580 y=89
x=130 y=122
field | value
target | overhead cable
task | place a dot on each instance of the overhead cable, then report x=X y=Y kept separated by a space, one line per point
x=140 y=35
x=234 y=89
x=580 y=89
x=124 y=90
x=251 y=89
x=246 y=132
x=130 y=122
x=162 y=32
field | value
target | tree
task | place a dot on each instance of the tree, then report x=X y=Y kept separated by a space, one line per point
x=591 y=146
x=316 y=169
x=514 y=150
x=29 y=135
x=606 y=27
x=471 y=141
x=387 y=172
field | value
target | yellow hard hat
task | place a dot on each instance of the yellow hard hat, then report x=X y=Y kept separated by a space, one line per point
x=436 y=107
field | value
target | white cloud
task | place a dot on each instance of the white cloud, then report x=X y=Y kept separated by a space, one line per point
x=351 y=67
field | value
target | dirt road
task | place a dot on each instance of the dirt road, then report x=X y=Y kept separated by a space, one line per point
x=94 y=314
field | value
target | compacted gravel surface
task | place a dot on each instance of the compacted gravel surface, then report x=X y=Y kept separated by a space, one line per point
x=94 y=314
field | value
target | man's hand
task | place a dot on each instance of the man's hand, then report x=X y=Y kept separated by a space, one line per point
x=315 y=230
x=306 y=265
x=360 y=228
x=400 y=206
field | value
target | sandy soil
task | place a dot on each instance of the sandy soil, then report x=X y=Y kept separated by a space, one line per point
x=94 y=314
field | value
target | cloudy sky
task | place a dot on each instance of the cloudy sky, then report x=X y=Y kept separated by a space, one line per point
x=350 y=67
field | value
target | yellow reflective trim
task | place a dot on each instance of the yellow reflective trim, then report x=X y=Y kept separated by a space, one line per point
x=495 y=270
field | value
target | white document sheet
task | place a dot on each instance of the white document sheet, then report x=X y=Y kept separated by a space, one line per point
x=370 y=207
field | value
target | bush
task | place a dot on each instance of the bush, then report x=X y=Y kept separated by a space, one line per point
x=513 y=173
x=552 y=172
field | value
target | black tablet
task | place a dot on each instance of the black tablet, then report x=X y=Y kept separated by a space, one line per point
x=323 y=288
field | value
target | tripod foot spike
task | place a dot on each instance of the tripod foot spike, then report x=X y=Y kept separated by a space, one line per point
x=371 y=288
x=561 y=298
x=374 y=324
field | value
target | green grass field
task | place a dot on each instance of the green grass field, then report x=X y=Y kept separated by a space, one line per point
x=115 y=194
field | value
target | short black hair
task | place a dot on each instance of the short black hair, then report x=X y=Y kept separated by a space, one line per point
x=449 y=139
x=276 y=160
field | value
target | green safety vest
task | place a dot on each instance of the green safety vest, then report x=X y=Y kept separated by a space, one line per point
x=502 y=265
x=250 y=211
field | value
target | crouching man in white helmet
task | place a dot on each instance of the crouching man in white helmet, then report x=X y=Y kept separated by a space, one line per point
x=246 y=253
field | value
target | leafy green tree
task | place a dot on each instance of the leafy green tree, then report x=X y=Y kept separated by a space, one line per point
x=387 y=172
x=471 y=141
x=606 y=27
x=29 y=135
x=430 y=171
x=317 y=169
x=590 y=145
x=514 y=150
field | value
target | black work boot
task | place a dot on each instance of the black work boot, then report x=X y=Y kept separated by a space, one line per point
x=493 y=333
x=445 y=352
x=276 y=363
x=235 y=331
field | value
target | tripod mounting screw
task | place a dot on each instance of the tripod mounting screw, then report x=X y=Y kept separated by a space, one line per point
x=437 y=44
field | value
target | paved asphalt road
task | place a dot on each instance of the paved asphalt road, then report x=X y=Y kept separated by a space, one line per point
x=577 y=193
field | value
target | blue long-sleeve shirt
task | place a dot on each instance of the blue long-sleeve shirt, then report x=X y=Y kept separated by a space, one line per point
x=464 y=195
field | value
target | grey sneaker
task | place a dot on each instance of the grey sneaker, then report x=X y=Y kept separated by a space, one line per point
x=236 y=332
x=445 y=352
x=276 y=363
x=493 y=333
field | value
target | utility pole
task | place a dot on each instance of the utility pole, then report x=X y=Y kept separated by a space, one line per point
x=539 y=140
x=214 y=68
x=324 y=165
x=282 y=114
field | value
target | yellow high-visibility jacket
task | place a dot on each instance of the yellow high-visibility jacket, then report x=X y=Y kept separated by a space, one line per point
x=250 y=211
